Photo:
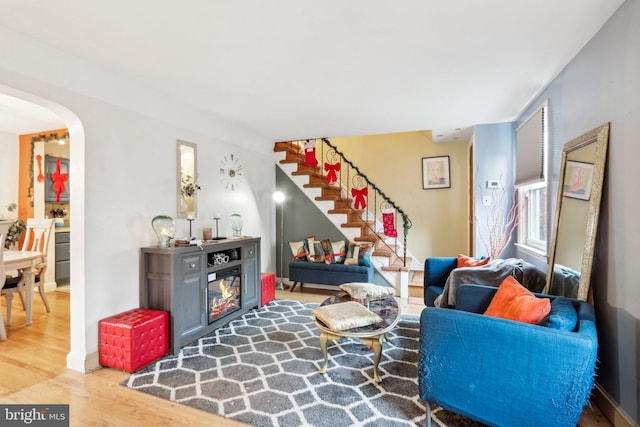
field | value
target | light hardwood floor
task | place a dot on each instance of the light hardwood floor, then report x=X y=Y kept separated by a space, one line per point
x=32 y=371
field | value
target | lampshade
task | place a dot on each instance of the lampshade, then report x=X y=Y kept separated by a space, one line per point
x=165 y=229
x=278 y=197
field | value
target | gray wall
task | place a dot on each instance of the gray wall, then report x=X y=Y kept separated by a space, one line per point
x=602 y=84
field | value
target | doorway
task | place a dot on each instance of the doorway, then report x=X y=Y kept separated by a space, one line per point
x=43 y=110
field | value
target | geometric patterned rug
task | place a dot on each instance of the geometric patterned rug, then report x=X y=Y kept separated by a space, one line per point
x=262 y=369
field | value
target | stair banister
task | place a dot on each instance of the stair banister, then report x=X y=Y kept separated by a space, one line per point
x=377 y=191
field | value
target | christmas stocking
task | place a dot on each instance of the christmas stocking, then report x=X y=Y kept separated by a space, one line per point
x=388 y=222
x=310 y=153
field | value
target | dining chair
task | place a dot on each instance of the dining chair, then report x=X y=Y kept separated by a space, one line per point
x=3 y=331
x=36 y=239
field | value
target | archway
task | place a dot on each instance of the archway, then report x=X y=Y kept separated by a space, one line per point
x=76 y=359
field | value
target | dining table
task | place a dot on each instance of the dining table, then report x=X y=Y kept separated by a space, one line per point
x=25 y=261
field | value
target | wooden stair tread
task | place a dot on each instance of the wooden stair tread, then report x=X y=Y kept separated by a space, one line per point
x=327 y=198
x=396 y=268
x=303 y=172
x=383 y=252
x=360 y=223
x=368 y=239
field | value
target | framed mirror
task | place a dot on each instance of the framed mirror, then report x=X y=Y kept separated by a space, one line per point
x=576 y=222
x=187 y=175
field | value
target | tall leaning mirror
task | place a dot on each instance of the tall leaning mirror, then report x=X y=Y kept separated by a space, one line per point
x=187 y=175
x=576 y=222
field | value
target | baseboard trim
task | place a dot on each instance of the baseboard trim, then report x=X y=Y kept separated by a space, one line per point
x=610 y=409
x=84 y=363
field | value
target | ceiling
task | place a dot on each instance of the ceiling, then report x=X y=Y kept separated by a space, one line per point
x=288 y=69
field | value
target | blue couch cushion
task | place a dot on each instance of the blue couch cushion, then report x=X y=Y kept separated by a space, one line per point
x=563 y=315
x=329 y=274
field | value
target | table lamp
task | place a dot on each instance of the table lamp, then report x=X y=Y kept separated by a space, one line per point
x=165 y=229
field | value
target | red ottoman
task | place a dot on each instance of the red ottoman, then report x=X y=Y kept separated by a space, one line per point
x=268 y=284
x=132 y=339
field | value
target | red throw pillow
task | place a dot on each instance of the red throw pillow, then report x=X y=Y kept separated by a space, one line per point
x=467 y=261
x=515 y=302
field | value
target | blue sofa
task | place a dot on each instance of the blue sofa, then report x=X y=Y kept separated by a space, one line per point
x=436 y=272
x=301 y=272
x=506 y=373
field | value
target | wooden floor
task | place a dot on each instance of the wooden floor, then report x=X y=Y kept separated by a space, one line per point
x=32 y=371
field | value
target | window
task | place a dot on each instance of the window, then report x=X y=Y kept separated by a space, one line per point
x=531 y=181
x=533 y=211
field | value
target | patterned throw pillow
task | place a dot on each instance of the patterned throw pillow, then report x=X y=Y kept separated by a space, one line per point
x=352 y=254
x=334 y=252
x=339 y=251
x=308 y=245
x=364 y=255
x=359 y=254
x=298 y=250
x=318 y=252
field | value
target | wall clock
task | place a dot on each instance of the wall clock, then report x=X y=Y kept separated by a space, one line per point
x=231 y=172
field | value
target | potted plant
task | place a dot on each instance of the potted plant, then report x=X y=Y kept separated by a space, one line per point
x=15 y=227
x=189 y=187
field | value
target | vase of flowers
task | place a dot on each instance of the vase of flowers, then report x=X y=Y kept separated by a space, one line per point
x=58 y=214
x=188 y=189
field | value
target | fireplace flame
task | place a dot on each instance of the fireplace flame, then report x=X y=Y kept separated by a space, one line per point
x=228 y=299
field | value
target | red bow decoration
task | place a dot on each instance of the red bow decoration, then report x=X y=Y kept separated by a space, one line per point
x=360 y=194
x=332 y=169
x=58 y=180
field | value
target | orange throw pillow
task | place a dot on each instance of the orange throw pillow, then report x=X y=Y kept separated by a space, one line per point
x=467 y=261
x=515 y=302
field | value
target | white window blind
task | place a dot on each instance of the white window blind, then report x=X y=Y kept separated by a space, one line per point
x=530 y=145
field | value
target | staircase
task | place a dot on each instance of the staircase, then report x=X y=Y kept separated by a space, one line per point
x=390 y=257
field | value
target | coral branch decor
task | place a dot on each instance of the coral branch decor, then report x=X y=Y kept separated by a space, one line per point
x=502 y=221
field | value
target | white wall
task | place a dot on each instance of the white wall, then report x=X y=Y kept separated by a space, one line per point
x=123 y=172
x=9 y=158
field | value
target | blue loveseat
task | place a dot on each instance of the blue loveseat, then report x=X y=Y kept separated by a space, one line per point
x=301 y=272
x=507 y=373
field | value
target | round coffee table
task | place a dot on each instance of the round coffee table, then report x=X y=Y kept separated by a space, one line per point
x=372 y=335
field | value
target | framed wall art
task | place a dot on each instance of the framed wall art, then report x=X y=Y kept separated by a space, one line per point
x=435 y=172
x=578 y=179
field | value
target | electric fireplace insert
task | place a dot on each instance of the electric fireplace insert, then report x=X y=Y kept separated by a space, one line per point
x=223 y=292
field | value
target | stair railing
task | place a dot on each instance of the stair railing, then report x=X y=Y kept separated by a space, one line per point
x=363 y=197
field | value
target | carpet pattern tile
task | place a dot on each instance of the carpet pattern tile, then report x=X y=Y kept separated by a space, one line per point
x=262 y=370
